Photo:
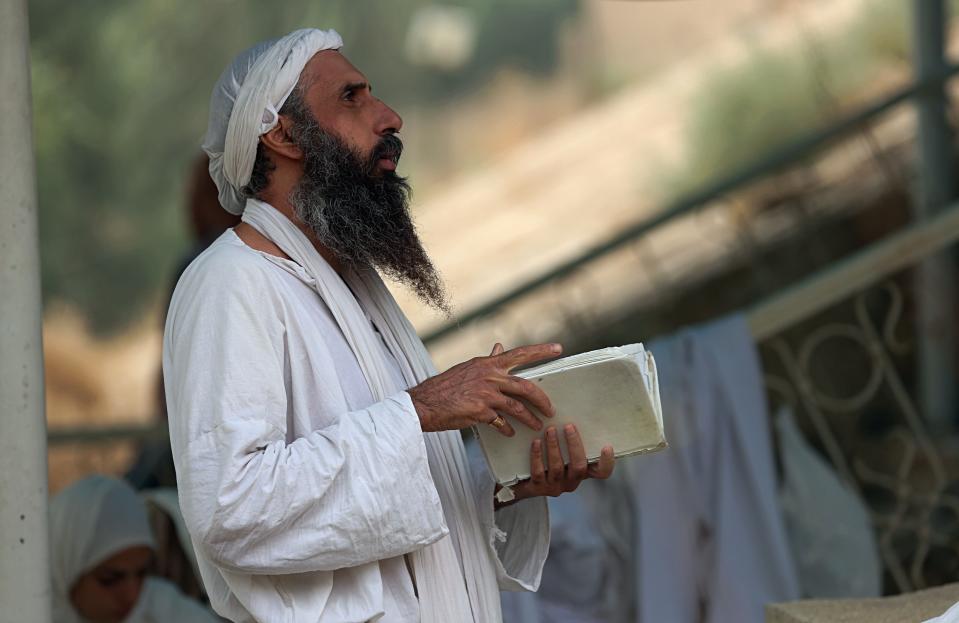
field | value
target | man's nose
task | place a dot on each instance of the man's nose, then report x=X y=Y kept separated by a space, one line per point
x=388 y=121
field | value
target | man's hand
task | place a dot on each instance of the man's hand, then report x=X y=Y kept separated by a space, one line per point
x=551 y=477
x=478 y=390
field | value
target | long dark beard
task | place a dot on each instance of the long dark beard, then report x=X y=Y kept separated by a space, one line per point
x=362 y=218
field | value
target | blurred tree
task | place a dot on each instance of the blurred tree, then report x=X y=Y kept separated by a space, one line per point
x=748 y=110
x=120 y=103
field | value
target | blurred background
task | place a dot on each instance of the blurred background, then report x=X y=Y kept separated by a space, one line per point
x=596 y=172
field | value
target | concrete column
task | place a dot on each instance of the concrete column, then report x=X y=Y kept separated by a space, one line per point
x=24 y=557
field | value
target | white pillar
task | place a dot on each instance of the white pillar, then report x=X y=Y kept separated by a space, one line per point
x=24 y=558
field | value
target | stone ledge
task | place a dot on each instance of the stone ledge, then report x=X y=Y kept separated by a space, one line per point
x=909 y=608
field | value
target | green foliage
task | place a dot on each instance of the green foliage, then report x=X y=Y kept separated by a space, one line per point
x=884 y=30
x=120 y=104
x=746 y=111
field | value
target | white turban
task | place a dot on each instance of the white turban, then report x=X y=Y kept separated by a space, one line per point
x=245 y=102
x=90 y=521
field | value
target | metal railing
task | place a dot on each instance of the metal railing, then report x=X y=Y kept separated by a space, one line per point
x=779 y=159
x=768 y=164
x=869 y=428
x=105 y=434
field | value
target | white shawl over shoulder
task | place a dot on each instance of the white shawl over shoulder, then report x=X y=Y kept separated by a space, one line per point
x=451 y=590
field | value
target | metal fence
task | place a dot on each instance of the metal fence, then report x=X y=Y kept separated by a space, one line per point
x=848 y=374
x=763 y=167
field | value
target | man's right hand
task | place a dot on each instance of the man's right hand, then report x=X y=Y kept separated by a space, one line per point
x=478 y=390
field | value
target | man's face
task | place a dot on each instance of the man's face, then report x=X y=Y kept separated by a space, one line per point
x=349 y=194
x=342 y=99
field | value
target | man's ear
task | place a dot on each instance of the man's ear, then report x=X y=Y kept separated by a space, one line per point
x=280 y=141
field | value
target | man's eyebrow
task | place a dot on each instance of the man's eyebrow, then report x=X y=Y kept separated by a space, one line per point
x=356 y=86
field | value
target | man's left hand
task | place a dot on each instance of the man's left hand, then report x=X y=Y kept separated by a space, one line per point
x=548 y=474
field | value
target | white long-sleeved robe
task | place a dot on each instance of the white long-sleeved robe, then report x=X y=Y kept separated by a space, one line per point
x=301 y=494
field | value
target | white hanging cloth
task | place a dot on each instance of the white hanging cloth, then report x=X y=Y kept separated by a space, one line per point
x=711 y=540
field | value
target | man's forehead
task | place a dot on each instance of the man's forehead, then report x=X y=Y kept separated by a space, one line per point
x=329 y=69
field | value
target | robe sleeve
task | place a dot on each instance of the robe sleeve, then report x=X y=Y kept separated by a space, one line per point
x=517 y=535
x=256 y=502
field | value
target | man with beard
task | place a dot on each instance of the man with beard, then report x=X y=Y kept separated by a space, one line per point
x=321 y=470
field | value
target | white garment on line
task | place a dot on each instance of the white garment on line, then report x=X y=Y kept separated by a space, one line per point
x=302 y=493
x=703 y=539
x=710 y=534
x=579 y=575
x=828 y=525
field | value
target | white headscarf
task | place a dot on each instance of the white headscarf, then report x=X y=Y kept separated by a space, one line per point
x=245 y=103
x=90 y=521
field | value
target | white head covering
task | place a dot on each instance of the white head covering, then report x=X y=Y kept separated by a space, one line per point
x=90 y=521
x=245 y=102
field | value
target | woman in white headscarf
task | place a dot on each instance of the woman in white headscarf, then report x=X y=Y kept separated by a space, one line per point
x=101 y=550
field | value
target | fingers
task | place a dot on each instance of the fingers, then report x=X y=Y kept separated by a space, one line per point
x=577 y=454
x=554 y=457
x=537 y=469
x=516 y=409
x=528 y=391
x=603 y=468
x=504 y=427
x=529 y=354
x=497 y=350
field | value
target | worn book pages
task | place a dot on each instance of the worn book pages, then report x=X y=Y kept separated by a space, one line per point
x=611 y=395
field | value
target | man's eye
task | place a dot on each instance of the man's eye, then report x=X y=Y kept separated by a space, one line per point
x=350 y=95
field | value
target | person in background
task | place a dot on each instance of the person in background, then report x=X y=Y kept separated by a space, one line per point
x=206 y=217
x=102 y=552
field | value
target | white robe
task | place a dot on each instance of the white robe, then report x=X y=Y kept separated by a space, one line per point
x=300 y=493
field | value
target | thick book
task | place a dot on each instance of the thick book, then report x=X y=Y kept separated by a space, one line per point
x=611 y=395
